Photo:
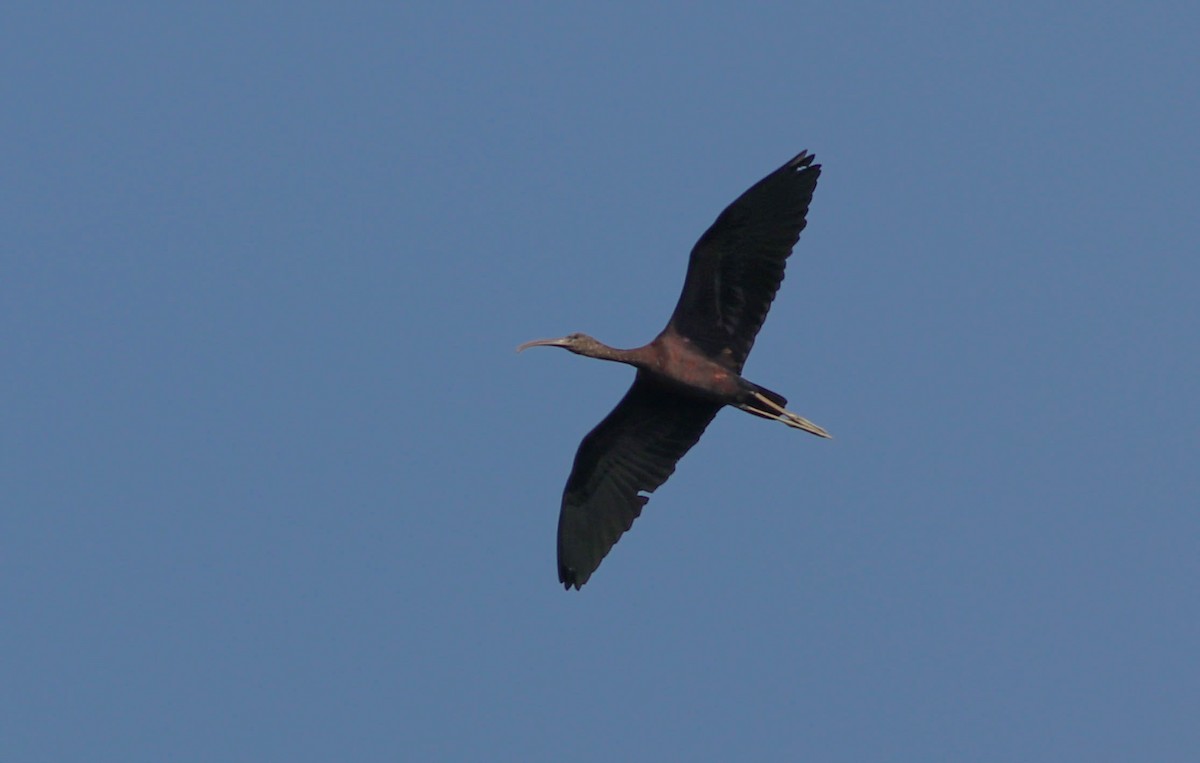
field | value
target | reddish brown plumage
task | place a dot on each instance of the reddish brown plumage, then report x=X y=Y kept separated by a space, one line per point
x=689 y=372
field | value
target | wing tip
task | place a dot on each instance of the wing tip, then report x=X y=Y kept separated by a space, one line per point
x=569 y=578
x=803 y=161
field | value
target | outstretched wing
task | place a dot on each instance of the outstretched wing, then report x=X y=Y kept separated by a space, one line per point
x=633 y=451
x=737 y=265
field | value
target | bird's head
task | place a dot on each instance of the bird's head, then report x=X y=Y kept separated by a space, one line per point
x=580 y=344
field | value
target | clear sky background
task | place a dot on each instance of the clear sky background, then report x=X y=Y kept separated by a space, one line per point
x=276 y=487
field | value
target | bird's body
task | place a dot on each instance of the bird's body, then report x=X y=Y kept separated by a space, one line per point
x=689 y=372
x=670 y=360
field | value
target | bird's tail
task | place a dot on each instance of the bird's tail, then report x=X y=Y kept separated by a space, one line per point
x=752 y=404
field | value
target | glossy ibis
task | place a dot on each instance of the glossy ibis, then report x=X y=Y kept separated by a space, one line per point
x=689 y=372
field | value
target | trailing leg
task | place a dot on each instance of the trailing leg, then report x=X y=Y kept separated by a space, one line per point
x=770 y=405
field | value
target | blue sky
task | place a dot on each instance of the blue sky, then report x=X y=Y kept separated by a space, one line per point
x=277 y=487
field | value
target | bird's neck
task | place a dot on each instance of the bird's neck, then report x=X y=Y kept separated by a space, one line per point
x=635 y=357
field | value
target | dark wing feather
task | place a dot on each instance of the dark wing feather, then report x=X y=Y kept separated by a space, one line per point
x=737 y=265
x=632 y=451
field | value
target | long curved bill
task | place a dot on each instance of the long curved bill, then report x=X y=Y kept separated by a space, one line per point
x=560 y=342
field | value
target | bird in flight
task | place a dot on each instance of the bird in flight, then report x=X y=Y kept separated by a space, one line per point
x=689 y=372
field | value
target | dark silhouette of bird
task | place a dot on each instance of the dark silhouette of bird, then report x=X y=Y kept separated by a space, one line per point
x=689 y=372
